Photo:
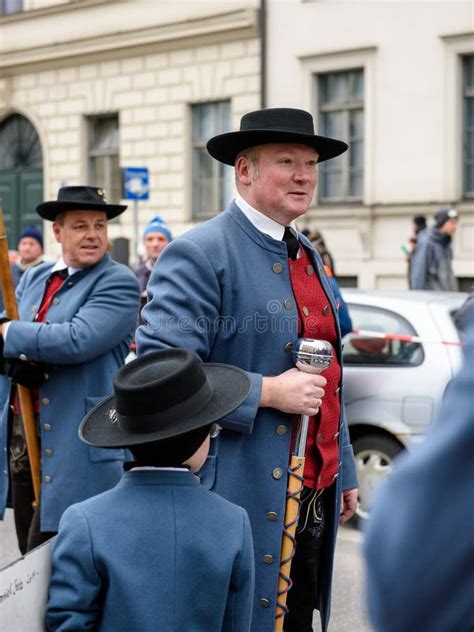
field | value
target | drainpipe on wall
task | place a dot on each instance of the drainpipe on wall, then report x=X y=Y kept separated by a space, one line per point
x=263 y=53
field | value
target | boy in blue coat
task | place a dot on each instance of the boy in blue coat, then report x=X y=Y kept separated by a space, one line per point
x=159 y=551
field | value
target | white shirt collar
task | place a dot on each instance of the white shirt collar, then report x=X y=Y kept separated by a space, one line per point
x=61 y=265
x=262 y=222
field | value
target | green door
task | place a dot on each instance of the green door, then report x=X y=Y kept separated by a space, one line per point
x=21 y=175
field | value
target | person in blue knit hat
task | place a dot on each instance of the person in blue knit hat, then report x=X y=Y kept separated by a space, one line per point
x=156 y=237
x=30 y=251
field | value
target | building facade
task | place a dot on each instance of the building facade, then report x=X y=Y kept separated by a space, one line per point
x=396 y=81
x=88 y=87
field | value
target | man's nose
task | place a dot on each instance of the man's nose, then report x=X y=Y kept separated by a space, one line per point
x=92 y=232
x=302 y=174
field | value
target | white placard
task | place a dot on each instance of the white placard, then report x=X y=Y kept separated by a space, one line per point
x=24 y=591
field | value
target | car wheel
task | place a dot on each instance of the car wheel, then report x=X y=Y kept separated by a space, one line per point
x=374 y=456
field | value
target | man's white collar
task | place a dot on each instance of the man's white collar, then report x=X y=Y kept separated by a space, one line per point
x=262 y=222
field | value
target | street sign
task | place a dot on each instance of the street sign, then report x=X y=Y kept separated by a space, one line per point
x=136 y=183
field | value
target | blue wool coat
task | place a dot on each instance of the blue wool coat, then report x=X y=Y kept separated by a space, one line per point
x=83 y=343
x=159 y=552
x=419 y=544
x=223 y=290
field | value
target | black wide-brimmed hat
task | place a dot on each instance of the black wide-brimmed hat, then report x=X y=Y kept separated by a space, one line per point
x=80 y=198
x=273 y=125
x=161 y=395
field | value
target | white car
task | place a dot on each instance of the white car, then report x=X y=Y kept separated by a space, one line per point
x=396 y=369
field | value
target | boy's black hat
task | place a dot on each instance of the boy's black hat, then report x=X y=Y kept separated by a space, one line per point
x=162 y=395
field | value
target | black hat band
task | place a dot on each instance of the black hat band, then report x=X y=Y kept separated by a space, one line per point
x=143 y=424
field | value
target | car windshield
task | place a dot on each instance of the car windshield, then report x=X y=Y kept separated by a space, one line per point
x=382 y=338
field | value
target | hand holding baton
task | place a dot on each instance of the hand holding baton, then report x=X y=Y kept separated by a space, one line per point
x=311 y=356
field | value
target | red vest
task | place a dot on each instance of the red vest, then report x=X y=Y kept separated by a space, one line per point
x=316 y=320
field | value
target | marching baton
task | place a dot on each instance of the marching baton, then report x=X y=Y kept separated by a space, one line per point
x=24 y=394
x=311 y=356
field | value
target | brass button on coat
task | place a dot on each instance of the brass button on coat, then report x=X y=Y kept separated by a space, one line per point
x=45 y=401
x=47 y=427
x=277 y=268
x=287 y=303
x=305 y=311
x=48 y=479
x=325 y=310
x=48 y=452
x=272 y=516
x=281 y=430
x=289 y=347
x=264 y=603
x=309 y=270
x=23 y=357
x=268 y=559
x=277 y=473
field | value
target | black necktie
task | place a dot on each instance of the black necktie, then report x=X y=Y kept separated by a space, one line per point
x=58 y=274
x=62 y=274
x=292 y=244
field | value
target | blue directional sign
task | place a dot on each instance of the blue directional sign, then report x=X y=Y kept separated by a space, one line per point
x=136 y=183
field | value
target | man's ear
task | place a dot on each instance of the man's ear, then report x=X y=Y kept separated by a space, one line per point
x=57 y=231
x=243 y=170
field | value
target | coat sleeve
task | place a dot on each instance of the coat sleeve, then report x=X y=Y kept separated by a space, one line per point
x=183 y=310
x=106 y=318
x=73 y=599
x=345 y=320
x=238 y=612
x=419 y=546
x=349 y=474
x=420 y=266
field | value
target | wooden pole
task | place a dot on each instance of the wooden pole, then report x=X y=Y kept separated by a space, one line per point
x=292 y=511
x=24 y=394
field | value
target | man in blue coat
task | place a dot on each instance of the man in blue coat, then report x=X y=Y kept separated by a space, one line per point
x=159 y=552
x=76 y=322
x=419 y=544
x=233 y=291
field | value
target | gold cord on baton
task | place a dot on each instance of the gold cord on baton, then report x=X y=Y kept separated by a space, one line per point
x=24 y=394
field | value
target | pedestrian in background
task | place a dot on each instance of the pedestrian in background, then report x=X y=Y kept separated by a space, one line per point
x=159 y=552
x=240 y=289
x=156 y=237
x=419 y=544
x=318 y=242
x=77 y=318
x=418 y=228
x=30 y=254
x=431 y=264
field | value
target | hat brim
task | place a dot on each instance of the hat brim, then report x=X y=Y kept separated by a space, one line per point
x=230 y=386
x=50 y=210
x=226 y=147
